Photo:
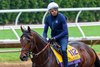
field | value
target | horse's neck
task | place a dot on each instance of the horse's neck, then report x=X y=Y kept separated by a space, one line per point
x=41 y=43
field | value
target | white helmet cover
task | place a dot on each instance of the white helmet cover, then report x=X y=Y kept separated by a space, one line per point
x=52 y=5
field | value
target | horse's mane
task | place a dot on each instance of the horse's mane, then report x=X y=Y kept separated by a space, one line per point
x=39 y=36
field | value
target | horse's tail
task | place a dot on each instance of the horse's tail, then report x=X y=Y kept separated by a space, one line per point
x=97 y=61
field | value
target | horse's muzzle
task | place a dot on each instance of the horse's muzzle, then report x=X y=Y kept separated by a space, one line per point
x=24 y=58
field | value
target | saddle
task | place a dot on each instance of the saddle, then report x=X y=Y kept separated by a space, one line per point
x=73 y=54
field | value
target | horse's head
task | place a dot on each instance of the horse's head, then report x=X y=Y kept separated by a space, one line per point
x=27 y=42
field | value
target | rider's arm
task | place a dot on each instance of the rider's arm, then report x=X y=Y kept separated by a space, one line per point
x=65 y=30
x=45 y=29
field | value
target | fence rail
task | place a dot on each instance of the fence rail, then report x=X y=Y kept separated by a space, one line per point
x=9 y=51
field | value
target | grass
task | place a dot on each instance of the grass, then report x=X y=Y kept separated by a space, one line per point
x=88 y=30
x=96 y=48
x=92 y=30
x=73 y=32
x=9 y=57
x=4 y=34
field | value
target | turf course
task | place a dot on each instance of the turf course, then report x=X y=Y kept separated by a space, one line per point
x=73 y=32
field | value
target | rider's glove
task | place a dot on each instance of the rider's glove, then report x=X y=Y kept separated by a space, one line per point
x=51 y=40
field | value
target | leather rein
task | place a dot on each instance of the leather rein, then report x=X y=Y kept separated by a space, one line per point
x=31 y=55
x=37 y=54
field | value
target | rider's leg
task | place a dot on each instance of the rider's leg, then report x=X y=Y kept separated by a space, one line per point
x=65 y=60
x=63 y=42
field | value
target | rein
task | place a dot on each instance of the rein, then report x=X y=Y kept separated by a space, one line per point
x=37 y=54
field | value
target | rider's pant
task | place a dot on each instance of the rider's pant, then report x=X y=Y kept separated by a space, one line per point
x=63 y=43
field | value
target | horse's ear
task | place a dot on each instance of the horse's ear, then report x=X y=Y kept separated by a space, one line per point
x=22 y=29
x=29 y=29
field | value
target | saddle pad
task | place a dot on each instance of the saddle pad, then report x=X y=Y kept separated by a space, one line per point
x=71 y=51
x=73 y=54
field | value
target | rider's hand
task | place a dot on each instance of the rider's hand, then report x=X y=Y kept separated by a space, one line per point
x=51 y=40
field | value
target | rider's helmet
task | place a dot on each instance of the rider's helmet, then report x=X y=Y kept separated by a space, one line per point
x=52 y=5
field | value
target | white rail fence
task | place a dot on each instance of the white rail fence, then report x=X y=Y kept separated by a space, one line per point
x=9 y=51
x=45 y=10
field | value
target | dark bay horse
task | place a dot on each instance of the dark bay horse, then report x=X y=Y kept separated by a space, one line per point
x=35 y=47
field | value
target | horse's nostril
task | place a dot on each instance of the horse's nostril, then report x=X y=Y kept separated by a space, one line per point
x=24 y=58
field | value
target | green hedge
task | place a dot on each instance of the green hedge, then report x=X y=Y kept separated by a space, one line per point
x=36 y=17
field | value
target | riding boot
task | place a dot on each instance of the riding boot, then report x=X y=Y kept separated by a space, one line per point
x=65 y=59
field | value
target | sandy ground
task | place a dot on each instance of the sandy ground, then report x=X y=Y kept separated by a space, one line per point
x=20 y=64
x=17 y=64
x=99 y=55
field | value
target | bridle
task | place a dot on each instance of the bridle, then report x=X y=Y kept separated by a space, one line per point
x=35 y=54
x=32 y=55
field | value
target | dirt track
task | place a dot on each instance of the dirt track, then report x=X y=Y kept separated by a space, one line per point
x=20 y=64
x=99 y=55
